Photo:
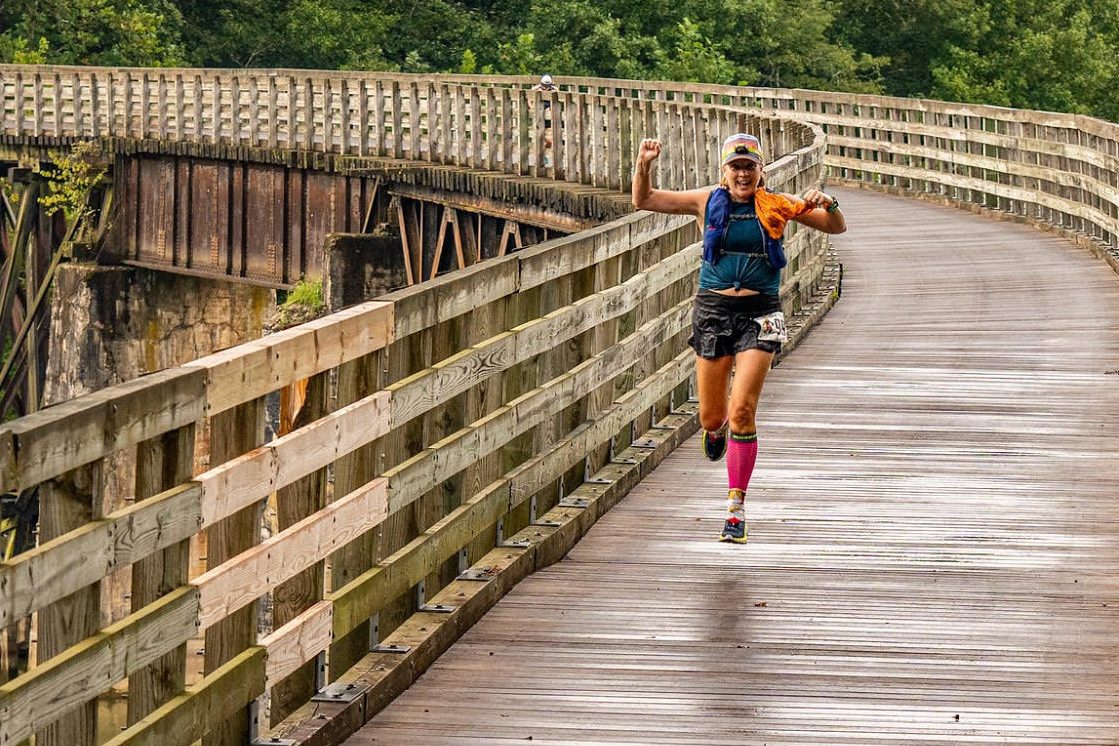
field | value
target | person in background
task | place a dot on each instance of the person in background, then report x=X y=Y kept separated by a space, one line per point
x=546 y=84
x=737 y=320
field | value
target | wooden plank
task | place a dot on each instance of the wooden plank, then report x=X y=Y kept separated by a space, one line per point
x=360 y=599
x=421 y=391
x=47 y=693
x=302 y=498
x=241 y=580
x=297 y=642
x=67 y=563
x=190 y=716
x=161 y=463
x=232 y=432
x=356 y=380
x=8 y=479
x=243 y=481
x=417 y=308
x=66 y=503
x=449 y=456
x=81 y=430
x=257 y=368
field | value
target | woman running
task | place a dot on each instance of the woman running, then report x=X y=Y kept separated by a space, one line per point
x=737 y=320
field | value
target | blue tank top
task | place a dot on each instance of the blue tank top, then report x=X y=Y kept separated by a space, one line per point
x=743 y=264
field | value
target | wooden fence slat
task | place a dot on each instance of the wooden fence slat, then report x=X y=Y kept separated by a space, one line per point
x=47 y=693
x=244 y=578
x=162 y=462
x=421 y=391
x=298 y=641
x=65 y=503
x=232 y=432
x=356 y=602
x=226 y=691
x=77 y=432
x=240 y=482
x=445 y=458
x=64 y=565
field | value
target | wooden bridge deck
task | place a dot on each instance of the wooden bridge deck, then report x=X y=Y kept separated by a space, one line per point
x=934 y=523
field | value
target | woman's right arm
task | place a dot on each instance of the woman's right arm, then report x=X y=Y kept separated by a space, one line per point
x=688 y=202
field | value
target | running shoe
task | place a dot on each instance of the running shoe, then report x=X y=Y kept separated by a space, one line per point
x=714 y=444
x=734 y=530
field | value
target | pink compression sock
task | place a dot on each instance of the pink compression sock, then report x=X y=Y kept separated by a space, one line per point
x=742 y=452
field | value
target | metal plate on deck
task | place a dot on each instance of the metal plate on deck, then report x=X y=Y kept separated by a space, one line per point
x=573 y=502
x=439 y=608
x=390 y=648
x=473 y=574
x=515 y=544
x=338 y=692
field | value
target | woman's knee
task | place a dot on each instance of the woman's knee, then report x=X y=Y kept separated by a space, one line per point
x=712 y=417
x=742 y=415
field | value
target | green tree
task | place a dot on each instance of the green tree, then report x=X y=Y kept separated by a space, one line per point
x=313 y=34
x=793 y=49
x=1057 y=57
x=436 y=33
x=695 y=58
x=580 y=37
x=92 y=32
x=909 y=36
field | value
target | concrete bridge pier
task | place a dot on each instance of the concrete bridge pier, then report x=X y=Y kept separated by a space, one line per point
x=111 y=324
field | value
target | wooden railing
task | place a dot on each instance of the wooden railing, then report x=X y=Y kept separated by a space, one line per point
x=1055 y=170
x=437 y=420
x=476 y=123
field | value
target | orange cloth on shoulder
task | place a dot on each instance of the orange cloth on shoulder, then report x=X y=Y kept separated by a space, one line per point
x=775 y=209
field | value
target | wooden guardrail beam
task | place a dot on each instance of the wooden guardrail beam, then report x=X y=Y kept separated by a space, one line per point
x=52 y=689
x=58 y=439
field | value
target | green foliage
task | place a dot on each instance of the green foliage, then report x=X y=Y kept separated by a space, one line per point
x=1057 y=59
x=909 y=36
x=91 y=32
x=306 y=293
x=303 y=303
x=24 y=54
x=582 y=37
x=469 y=64
x=71 y=180
x=330 y=34
x=1056 y=54
x=695 y=58
x=518 y=57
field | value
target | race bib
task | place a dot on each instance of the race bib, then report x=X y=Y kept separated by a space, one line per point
x=771 y=327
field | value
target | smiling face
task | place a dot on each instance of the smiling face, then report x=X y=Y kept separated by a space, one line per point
x=741 y=177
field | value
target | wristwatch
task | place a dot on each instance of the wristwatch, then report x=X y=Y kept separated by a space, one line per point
x=834 y=205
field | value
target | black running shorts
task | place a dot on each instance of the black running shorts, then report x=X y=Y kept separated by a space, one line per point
x=728 y=324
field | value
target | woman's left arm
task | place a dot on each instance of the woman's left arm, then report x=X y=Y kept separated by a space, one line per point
x=825 y=215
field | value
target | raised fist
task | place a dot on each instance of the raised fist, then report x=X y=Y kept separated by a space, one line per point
x=648 y=151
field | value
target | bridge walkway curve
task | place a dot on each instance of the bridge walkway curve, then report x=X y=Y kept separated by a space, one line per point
x=933 y=553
